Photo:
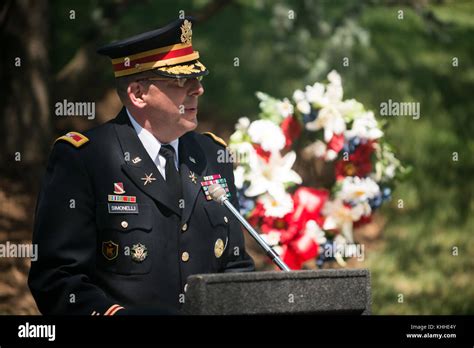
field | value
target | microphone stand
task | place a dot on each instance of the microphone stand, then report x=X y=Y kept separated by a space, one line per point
x=220 y=196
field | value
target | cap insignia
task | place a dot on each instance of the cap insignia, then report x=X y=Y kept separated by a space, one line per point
x=186 y=32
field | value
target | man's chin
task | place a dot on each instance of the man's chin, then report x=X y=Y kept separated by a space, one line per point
x=189 y=123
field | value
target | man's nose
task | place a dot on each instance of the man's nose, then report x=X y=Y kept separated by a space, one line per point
x=196 y=89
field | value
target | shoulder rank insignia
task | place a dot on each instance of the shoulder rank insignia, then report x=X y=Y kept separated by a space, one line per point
x=216 y=138
x=74 y=138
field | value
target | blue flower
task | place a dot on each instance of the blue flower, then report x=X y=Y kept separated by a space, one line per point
x=346 y=148
x=319 y=262
x=311 y=116
x=351 y=145
x=246 y=204
x=386 y=193
x=325 y=248
x=376 y=202
x=355 y=141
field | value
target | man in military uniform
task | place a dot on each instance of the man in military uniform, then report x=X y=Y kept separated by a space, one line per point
x=123 y=216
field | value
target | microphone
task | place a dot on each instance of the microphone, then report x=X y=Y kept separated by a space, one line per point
x=219 y=195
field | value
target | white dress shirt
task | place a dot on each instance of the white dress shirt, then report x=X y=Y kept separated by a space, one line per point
x=153 y=145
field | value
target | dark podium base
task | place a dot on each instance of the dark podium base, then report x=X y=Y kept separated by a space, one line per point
x=341 y=291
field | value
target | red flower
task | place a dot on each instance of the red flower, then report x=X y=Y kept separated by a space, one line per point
x=308 y=203
x=336 y=143
x=291 y=129
x=257 y=214
x=299 y=251
x=363 y=220
x=268 y=224
x=291 y=258
x=359 y=163
x=265 y=155
x=280 y=225
x=297 y=246
x=305 y=246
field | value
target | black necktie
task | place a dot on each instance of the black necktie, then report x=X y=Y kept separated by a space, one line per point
x=173 y=179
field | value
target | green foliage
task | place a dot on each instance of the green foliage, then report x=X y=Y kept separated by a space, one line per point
x=419 y=261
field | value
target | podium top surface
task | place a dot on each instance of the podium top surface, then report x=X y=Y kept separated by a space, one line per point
x=330 y=291
x=279 y=275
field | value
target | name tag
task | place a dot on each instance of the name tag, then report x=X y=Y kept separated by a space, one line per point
x=123 y=208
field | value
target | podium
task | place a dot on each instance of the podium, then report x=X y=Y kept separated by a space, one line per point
x=331 y=291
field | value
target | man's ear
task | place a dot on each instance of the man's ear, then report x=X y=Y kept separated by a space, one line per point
x=135 y=92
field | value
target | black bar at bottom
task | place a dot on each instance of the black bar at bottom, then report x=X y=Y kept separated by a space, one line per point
x=410 y=330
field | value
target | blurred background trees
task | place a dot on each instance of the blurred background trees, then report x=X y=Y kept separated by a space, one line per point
x=411 y=50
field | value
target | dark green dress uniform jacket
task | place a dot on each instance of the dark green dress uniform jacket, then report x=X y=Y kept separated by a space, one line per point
x=85 y=263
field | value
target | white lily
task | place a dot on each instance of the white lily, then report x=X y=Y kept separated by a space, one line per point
x=358 y=190
x=240 y=130
x=239 y=177
x=315 y=232
x=277 y=207
x=350 y=109
x=339 y=216
x=365 y=127
x=315 y=94
x=334 y=77
x=243 y=152
x=242 y=124
x=340 y=245
x=270 y=177
x=303 y=106
x=298 y=95
x=285 y=108
x=331 y=120
x=334 y=90
x=271 y=238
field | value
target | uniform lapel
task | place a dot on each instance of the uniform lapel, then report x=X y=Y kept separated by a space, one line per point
x=192 y=166
x=138 y=164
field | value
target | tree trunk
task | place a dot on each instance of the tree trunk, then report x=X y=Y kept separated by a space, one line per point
x=25 y=123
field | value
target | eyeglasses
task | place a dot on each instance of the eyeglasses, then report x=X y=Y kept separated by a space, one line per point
x=177 y=82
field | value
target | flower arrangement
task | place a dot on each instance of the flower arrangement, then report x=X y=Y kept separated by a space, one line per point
x=301 y=222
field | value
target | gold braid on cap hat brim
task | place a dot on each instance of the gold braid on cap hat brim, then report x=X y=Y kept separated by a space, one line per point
x=183 y=69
